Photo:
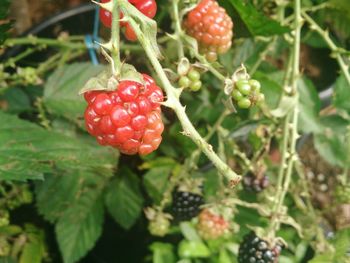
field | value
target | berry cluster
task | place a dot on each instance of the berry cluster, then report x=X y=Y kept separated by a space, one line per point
x=191 y=80
x=256 y=250
x=186 y=205
x=255 y=184
x=246 y=93
x=146 y=7
x=212 y=226
x=211 y=26
x=128 y=118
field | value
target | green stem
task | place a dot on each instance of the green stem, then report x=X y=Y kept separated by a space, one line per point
x=173 y=102
x=290 y=131
x=190 y=162
x=31 y=40
x=115 y=40
x=262 y=56
x=178 y=29
x=193 y=160
x=12 y=61
x=209 y=66
x=325 y=35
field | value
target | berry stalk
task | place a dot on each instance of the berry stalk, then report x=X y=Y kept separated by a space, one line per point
x=173 y=102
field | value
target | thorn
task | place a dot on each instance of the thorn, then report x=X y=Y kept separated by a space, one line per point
x=107 y=45
x=168 y=104
x=107 y=6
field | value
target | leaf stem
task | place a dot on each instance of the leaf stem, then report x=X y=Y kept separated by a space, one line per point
x=173 y=102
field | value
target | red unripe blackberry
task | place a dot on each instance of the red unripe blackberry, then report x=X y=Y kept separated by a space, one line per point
x=128 y=118
x=211 y=26
x=256 y=250
x=146 y=7
x=211 y=225
x=186 y=205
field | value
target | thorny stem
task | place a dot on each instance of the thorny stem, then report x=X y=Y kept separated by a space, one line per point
x=115 y=40
x=173 y=102
x=178 y=30
x=290 y=130
x=325 y=35
x=31 y=40
x=190 y=162
x=11 y=62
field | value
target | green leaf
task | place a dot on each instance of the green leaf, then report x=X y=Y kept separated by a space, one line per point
x=27 y=151
x=56 y=194
x=189 y=232
x=331 y=147
x=342 y=94
x=157 y=178
x=162 y=253
x=7 y=260
x=124 y=199
x=211 y=183
x=61 y=94
x=323 y=258
x=5 y=26
x=270 y=88
x=309 y=107
x=224 y=256
x=342 y=244
x=17 y=100
x=257 y=23
x=193 y=249
x=80 y=226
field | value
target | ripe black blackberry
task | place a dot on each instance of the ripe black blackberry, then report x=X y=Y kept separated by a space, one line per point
x=256 y=250
x=255 y=184
x=186 y=205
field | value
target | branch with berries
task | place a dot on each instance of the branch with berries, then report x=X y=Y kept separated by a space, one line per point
x=144 y=29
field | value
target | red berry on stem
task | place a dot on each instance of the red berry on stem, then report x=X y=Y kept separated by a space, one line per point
x=127 y=118
x=147 y=7
x=211 y=26
x=129 y=33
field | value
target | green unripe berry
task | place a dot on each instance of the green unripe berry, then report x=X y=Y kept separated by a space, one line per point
x=184 y=82
x=159 y=226
x=194 y=75
x=244 y=87
x=244 y=103
x=236 y=95
x=254 y=84
x=195 y=86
